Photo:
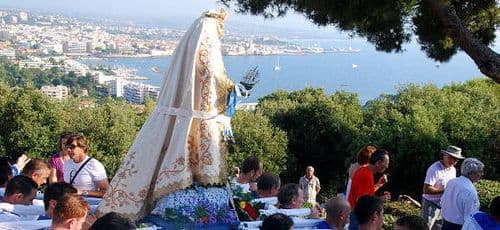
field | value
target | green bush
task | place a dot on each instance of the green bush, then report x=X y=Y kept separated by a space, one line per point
x=321 y=130
x=255 y=135
x=413 y=125
x=487 y=190
x=394 y=210
x=328 y=191
x=419 y=121
x=30 y=122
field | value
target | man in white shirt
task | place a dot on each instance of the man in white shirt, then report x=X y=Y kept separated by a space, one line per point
x=310 y=185
x=17 y=202
x=86 y=174
x=460 y=198
x=436 y=178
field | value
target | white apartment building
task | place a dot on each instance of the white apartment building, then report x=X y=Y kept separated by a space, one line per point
x=134 y=93
x=75 y=47
x=118 y=86
x=23 y=16
x=53 y=47
x=34 y=63
x=246 y=106
x=58 y=92
x=137 y=93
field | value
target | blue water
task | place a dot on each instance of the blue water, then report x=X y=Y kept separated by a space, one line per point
x=376 y=73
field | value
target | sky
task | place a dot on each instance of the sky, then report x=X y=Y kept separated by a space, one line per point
x=179 y=14
x=183 y=12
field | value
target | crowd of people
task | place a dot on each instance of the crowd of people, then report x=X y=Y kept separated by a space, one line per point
x=448 y=202
x=70 y=177
x=66 y=179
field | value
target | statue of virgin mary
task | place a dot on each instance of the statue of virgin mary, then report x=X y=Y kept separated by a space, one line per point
x=182 y=141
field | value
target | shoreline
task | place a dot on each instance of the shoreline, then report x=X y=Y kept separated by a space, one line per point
x=224 y=55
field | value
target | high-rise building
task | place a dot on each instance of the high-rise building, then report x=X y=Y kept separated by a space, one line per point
x=23 y=16
x=137 y=93
x=117 y=86
x=134 y=93
x=5 y=35
x=11 y=19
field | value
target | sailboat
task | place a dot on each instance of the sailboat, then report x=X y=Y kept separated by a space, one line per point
x=277 y=66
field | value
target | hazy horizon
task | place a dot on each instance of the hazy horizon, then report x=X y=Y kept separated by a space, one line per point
x=178 y=14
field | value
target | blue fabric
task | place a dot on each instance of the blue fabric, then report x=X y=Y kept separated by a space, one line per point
x=158 y=221
x=353 y=222
x=15 y=170
x=485 y=221
x=180 y=208
x=43 y=217
x=231 y=104
x=324 y=225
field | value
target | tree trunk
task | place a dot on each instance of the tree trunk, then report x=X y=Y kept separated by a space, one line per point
x=487 y=60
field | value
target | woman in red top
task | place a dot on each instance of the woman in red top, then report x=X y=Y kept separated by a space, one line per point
x=363 y=179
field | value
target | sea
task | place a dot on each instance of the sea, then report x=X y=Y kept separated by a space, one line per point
x=368 y=73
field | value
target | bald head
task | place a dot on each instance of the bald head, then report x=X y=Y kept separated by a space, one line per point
x=309 y=172
x=337 y=212
x=335 y=207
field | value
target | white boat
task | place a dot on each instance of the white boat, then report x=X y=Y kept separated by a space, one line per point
x=354 y=66
x=277 y=66
x=155 y=69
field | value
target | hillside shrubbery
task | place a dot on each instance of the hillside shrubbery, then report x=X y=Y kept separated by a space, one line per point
x=289 y=130
x=487 y=190
x=414 y=125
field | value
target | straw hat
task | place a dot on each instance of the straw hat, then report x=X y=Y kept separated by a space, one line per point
x=454 y=151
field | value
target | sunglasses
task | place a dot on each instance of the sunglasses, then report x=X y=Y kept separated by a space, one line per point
x=71 y=146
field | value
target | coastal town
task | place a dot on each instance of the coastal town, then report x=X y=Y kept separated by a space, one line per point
x=36 y=40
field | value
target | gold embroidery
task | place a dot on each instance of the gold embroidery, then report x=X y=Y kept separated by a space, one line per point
x=117 y=195
x=179 y=165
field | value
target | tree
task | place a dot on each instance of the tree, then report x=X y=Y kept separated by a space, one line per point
x=321 y=130
x=442 y=27
x=110 y=129
x=31 y=122
x=255 y=135
x=419 y=121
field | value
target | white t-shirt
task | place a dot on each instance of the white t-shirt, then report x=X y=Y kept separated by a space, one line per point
x=459 y=200
x=438 y=176
x=85 y=180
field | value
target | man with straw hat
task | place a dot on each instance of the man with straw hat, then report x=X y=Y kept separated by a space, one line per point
x=436 y=178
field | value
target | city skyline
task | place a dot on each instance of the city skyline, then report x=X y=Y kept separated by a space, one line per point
x=169 y=12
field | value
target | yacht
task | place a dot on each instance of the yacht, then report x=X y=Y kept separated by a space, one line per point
x=155 y=69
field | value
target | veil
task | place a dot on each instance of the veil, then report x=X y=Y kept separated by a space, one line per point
x=180 y=141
